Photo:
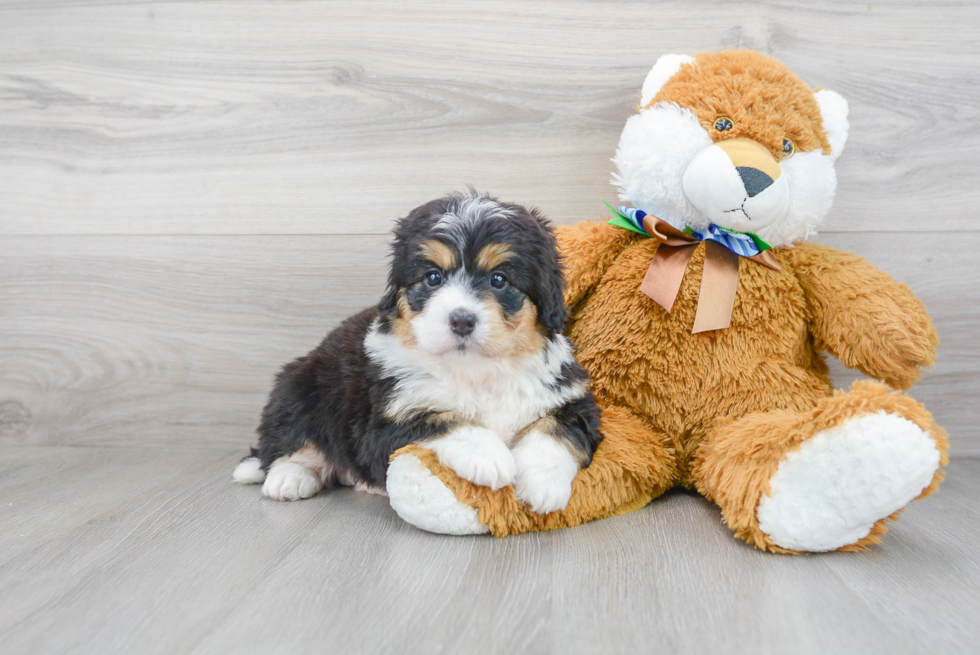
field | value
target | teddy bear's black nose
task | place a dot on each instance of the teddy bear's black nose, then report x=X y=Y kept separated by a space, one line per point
x=755 y=181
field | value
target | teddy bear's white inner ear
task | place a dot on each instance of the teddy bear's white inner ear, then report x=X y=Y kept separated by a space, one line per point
x=833 y=112
x=665 y=68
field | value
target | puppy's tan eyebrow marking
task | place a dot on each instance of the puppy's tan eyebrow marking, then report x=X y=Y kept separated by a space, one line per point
x=493 y=255
x=439 y=254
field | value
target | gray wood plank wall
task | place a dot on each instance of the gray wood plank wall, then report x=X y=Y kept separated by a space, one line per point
x=192 y=193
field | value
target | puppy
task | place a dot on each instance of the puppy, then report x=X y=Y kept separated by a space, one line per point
x=464 y=354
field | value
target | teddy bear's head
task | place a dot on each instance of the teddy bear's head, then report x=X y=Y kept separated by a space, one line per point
x=734 y=139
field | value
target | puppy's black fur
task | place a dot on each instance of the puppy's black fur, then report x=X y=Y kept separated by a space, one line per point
x=331 y=398
x=336 y=397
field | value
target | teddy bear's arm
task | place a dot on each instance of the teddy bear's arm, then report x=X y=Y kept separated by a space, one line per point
x=588 y=249
x=862 y=315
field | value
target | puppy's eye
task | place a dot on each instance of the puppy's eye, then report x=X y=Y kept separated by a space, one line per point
x=723 y=123
x=788 y=148
x=498 y=281
x=433 y=278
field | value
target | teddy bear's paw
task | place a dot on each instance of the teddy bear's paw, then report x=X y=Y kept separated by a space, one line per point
x=832 y=490
x=290 y=481
x=476 y=454
x=545 y=470
x=420 y=498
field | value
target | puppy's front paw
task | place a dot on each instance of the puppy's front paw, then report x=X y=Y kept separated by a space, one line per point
x=545 y=470
x=290 y=481
x=476 y=454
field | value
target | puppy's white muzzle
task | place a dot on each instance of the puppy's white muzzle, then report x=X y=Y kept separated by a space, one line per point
x=737 y=184
x=439 y=327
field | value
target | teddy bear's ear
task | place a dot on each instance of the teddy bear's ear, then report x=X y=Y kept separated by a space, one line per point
x=663 y=70
x=833 y=112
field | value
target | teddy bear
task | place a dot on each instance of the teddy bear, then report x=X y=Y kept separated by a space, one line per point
x=702 y=312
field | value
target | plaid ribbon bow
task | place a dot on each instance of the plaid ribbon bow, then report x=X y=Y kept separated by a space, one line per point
x=743 y=244
x=719 y=280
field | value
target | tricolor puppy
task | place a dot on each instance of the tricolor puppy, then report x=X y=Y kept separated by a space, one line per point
x=464 y=354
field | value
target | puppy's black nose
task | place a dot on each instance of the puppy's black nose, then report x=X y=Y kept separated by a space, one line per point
x=462 y=322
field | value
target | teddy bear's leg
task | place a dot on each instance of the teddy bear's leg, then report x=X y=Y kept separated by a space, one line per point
x=632 y=465
x=823 y=479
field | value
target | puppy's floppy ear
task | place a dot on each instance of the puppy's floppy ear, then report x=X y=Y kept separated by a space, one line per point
x=550 y=279
x=552 y=305
x=408 y=234
x=397 y=259
x=389 y=302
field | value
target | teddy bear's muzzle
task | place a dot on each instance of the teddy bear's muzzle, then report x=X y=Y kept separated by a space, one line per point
x=737 y=184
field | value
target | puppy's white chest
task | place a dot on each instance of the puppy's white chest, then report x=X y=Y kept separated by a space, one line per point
x=505 y=404
x=504 y=395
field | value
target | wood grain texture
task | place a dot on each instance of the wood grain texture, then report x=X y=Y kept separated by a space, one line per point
x=178 y=338
x=175 y=340
x=334 y=118
x=157 y=551
x=226 y=119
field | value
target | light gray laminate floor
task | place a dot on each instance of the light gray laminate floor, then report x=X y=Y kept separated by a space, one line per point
x=106 y=550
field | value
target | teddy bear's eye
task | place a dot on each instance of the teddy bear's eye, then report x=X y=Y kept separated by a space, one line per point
x=723 y=123
x=788 y=147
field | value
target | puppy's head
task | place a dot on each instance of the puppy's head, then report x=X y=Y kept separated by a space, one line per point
x=472 y=275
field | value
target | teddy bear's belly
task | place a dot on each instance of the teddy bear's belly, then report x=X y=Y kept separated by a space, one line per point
x=646 y=359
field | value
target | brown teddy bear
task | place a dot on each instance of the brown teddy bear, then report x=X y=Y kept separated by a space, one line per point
x=701 y=314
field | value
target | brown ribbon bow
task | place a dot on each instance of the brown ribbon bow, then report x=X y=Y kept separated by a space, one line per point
x=719 y=281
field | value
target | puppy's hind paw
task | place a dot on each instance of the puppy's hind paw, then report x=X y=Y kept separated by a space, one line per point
x=476 y=454
x=290 y=481
x=248 y=471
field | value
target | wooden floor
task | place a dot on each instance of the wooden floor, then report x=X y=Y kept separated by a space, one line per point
x=155 y=550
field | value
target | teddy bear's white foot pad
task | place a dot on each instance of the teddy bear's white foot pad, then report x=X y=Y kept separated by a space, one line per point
x=422 y=499
x=831 y=491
